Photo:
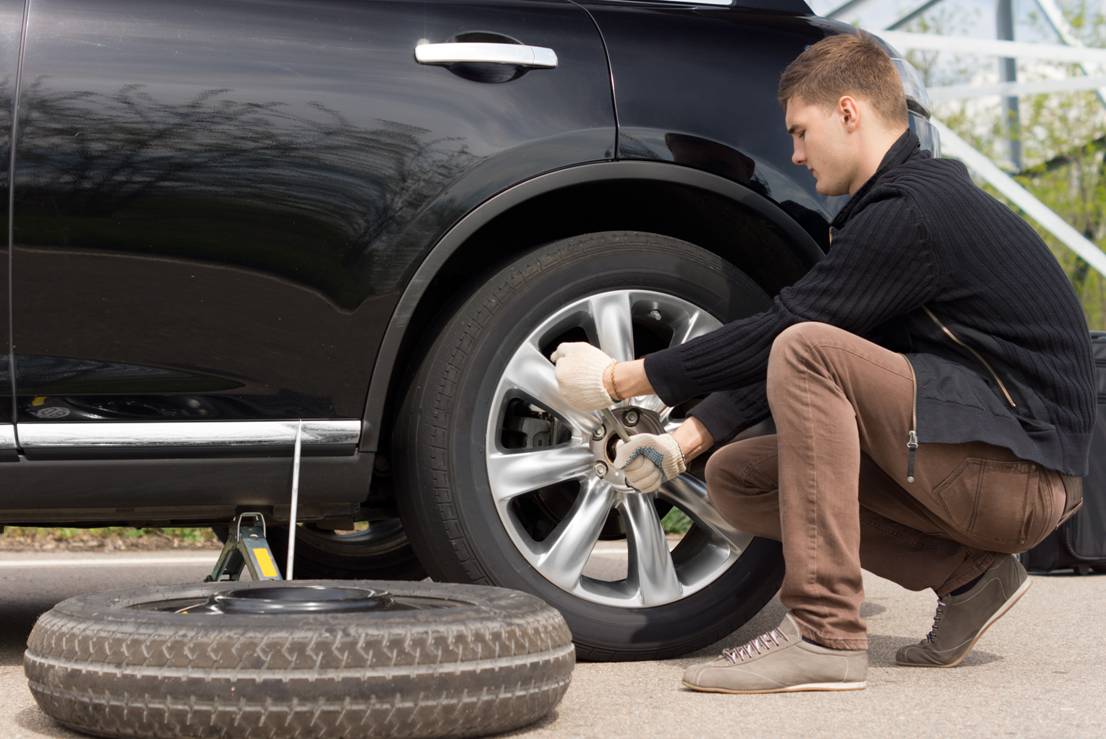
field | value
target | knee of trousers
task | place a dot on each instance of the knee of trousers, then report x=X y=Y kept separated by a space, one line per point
x=726 y=486
x=738 y=501
x=794 y=347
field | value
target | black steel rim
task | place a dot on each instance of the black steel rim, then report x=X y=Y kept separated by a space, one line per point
x=296 y=600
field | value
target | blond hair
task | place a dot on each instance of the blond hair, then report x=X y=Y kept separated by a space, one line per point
x=846 y=64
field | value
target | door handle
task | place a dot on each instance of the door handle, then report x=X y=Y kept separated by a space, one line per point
x=517 y=55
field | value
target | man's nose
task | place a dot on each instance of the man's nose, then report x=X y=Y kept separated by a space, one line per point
x=797 y=157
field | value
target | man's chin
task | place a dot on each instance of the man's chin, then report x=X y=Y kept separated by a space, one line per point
x=829 y=190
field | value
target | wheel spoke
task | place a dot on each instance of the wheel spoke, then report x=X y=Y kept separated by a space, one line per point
x=613 y=323
x=533 y=374
x=650 y=560
x=514 y=473
x=695 y=325
x=568 y=547
x=655 y=404
x=690 y=495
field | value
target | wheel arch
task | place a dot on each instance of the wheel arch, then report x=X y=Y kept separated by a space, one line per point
x=729 y=219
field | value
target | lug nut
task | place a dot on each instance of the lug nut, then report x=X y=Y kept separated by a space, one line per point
x=599 y=433
x=600 y=469
x=654 y=314
x=631 y=418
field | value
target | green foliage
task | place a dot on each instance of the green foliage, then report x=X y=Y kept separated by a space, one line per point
x=36 y=536
x=675 y=522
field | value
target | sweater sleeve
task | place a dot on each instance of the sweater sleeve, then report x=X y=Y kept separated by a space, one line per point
x=880 y=266
x=726 y=413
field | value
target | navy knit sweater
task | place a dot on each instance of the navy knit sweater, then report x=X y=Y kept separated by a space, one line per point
x=919 y=232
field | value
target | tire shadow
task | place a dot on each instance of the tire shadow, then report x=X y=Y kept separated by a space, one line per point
x=36 y=723
x=541 y=723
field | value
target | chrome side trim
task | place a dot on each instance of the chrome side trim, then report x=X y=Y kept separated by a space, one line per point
x=7 y=436
x=193 y=434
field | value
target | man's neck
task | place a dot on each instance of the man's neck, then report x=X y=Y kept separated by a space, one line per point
x=873 y=155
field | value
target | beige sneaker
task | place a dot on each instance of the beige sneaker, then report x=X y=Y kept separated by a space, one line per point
x=962 y=619
x=780 y=662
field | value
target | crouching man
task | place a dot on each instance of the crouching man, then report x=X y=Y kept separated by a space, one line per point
x=930 y=379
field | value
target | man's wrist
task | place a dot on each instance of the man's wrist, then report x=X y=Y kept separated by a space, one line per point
x=693 y=438
x=627 y=380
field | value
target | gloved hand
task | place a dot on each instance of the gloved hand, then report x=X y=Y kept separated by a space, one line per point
x=649 y=460
x=580 y=368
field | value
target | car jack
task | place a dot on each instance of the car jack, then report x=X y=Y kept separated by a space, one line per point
x=246 y=547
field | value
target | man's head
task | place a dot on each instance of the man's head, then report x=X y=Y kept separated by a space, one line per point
x=844 y=106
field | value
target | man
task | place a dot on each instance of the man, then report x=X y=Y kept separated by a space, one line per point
x=930 y=380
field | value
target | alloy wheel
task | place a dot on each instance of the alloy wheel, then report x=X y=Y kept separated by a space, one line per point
x=551 y=471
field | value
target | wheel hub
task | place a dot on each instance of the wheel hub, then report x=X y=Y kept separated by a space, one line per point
x=604 y=441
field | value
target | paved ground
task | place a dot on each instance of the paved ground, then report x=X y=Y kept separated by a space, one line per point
x=1041 y=671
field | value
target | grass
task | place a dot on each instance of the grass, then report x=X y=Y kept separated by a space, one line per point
x=675 y=522
x=106 y=537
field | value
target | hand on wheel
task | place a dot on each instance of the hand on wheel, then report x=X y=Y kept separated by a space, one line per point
x=580 y=369
x=648 y=460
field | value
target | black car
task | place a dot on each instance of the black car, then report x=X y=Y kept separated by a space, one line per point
x=379 y=217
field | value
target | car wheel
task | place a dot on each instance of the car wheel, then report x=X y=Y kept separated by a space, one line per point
x=376 y=550
x=502 y=483
x=303 y=659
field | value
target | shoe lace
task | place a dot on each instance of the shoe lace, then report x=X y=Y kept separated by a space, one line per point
x=937 y=618
x=759 y=645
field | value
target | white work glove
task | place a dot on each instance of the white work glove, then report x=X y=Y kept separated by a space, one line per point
x=580 y=368
x=649 y=460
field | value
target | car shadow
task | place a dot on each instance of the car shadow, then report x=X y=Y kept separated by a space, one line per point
x=16 y=621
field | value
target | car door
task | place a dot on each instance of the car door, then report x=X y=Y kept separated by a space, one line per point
x=11 y=25
x=218 y=202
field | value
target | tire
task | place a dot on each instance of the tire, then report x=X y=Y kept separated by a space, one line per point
x=327 y=555
x=481 y=660
x=446 y=437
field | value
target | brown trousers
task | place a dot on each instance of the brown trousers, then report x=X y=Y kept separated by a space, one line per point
x=831 y=485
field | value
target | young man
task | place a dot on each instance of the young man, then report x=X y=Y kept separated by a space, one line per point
x=930 y=380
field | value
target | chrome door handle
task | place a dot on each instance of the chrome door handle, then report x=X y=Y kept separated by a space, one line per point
x=516 y=55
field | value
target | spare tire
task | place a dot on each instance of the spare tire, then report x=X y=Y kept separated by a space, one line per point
x=302 y=658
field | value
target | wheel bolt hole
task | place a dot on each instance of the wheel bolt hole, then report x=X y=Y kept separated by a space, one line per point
x=612 y=446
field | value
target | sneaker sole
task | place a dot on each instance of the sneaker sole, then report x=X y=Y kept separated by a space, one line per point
x=994 y=617
x=819 y=687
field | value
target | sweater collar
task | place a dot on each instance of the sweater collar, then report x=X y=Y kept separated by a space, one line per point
x=904 y=148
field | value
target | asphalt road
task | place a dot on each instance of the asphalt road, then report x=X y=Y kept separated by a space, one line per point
x=1039 y=672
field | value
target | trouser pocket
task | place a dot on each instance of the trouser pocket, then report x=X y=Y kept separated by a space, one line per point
x=1073 y=496
x=999 y=505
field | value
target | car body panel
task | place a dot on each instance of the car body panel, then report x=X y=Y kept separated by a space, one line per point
x=220 y=201
x=714 y=106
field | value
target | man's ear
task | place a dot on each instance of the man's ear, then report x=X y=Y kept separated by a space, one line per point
x=849 y=111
